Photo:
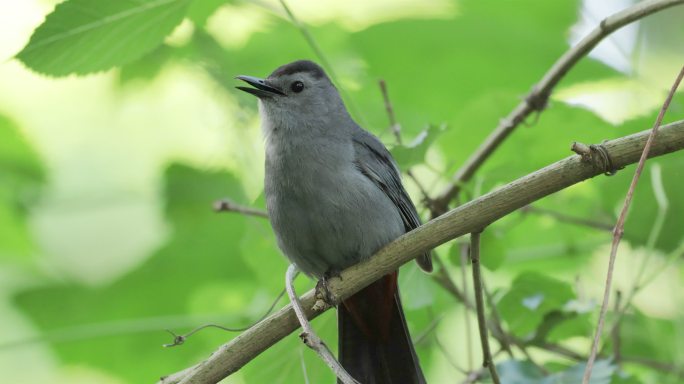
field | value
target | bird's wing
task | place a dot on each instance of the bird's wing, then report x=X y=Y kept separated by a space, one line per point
x=376 y=163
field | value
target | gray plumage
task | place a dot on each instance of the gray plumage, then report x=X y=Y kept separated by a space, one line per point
x=334 y=197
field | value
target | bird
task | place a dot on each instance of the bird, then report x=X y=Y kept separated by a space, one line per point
x=334 y=197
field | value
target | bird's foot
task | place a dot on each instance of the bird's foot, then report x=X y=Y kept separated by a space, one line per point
x=323 y=288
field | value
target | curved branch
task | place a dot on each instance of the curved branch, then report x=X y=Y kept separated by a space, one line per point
x=537 y=98
x=466 y=218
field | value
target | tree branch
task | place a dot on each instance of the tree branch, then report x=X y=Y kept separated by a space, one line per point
x=487 y=361
x=537 y=98
x=466 y=218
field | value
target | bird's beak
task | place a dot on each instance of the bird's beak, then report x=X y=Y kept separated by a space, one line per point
x=261 y=88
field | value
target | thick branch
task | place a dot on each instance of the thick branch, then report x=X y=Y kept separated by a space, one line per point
x=537 y=98
x=466 y=218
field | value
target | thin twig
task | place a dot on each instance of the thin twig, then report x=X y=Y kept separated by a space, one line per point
x=394 y=126
x=497 y=323
x=615 y=332
x=536 y=100
x=487 y=360
x=308 y=335
x=468 y=217
x=464 y=251
x=555 y=348
x=319 y=53
x=226 y=205
x=180 y=339
x=562 y=217
x=619 y=227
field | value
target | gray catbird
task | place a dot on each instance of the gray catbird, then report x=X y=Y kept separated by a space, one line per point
x=334 y=197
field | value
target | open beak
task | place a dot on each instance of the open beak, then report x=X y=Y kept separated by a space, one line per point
x=261 y=89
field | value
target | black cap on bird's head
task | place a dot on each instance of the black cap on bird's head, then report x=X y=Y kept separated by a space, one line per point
x=298 y=66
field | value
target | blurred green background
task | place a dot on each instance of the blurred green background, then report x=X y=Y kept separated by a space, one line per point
x=113 y=149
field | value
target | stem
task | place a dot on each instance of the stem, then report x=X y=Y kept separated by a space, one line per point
x=479 y=304
x=619 y=227
x=226 y=205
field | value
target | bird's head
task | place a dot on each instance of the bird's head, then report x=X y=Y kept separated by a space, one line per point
x=298 y=94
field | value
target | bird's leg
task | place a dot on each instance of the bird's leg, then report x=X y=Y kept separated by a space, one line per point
x=323 y=288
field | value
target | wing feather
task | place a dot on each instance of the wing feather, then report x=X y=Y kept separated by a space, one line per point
x=376 y=163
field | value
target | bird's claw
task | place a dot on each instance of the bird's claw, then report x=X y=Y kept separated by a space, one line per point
x=323 y=288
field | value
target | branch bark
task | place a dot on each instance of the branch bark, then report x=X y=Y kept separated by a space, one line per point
x=537 y=98
x=466 y=218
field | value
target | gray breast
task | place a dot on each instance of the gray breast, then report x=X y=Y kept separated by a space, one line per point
x=325 y=213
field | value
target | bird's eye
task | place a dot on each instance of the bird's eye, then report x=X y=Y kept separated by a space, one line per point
x=297 y=86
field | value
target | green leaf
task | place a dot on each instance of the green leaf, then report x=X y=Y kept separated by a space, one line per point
x=492 y=249
x=85 y=36
x=524 y=372
x=572 y=324
x=601 y=373
x=625 y=378
x=201 y=10
x=199 y=277
x=531 y=297
x=148 y=66
x=414 y=153
x=519 y=372
x=21 y=179
x=649 y=338
x=415 y=287
x=17 y=158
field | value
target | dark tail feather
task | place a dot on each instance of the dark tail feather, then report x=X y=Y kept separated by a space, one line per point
x=374 y=342
x=425 y=261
